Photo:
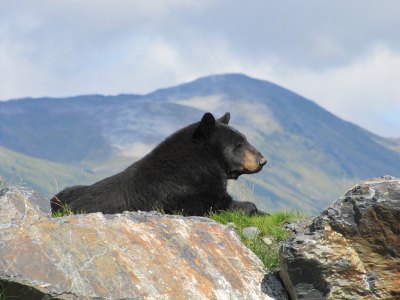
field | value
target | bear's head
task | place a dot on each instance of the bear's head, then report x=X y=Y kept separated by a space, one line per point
x=229 y=146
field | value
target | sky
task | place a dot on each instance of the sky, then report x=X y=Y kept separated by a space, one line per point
x=343 y=55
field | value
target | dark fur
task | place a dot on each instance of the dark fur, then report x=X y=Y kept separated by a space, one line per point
x=186 y=173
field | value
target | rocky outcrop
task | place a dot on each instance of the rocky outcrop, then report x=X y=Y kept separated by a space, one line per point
x=352 y=249
x=122 y=256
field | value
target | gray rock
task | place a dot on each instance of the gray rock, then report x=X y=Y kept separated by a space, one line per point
x=231 y=225
x=267 y=241
x=250 y=232
x=352 y=249
x=299 y=225
x=123 y=256
x=272 y=286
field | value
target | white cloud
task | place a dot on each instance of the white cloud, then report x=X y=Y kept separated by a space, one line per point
x=331 y=53
x=62 y=48
x=327 y=47
x=366 y=91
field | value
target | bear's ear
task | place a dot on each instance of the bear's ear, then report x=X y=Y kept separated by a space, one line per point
x=205 y=127
x=225 y=118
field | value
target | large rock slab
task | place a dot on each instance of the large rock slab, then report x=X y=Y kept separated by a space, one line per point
x=122 y=256
x=352 y=249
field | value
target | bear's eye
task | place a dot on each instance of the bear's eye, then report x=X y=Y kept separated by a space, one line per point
x=240 y=145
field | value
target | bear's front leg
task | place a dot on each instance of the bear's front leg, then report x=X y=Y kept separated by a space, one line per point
x=247 y=207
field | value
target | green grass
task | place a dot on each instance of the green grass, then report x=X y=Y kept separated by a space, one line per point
x=65 y=212
x=2 y=186
x=270 y=226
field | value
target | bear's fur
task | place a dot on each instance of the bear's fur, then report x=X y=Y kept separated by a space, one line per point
x=186 y=173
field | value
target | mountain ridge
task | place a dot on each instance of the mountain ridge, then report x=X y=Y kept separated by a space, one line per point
x=313 y=155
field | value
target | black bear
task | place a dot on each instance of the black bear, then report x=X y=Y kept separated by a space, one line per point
x=186 y=173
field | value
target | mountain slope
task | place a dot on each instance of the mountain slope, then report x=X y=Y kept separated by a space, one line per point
x=313 y=156
x=49 y=177
x=351 y=146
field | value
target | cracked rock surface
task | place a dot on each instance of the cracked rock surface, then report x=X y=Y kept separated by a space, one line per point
x=352 y=249
x=133 y=255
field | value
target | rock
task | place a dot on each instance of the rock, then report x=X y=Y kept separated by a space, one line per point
x=299 y=225
x=134 y=255
x=231 y=225
x=267 y=240
x=352 y=249
x=250 y=232
x=273 y=287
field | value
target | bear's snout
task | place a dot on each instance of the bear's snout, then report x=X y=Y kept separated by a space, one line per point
x=262 y=162
x=253 y=161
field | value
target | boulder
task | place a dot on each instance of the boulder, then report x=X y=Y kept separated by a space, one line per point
x=134 y=255
x=351 y=251
x=251 y=232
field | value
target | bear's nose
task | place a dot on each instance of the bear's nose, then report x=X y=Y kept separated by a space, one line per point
x=262 y=162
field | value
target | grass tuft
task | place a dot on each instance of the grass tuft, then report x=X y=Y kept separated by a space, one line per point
x=242 y=190
x=64 y=211
x=2 y=184
x=271 y=226
x=61 y=213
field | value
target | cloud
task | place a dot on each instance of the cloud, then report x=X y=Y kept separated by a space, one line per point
x=75 y=47
x=343 y=55
x=366 y=91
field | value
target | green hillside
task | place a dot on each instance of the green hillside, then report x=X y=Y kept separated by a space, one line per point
x=46 y=176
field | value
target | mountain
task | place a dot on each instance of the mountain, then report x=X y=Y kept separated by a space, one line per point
x=313 y=156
